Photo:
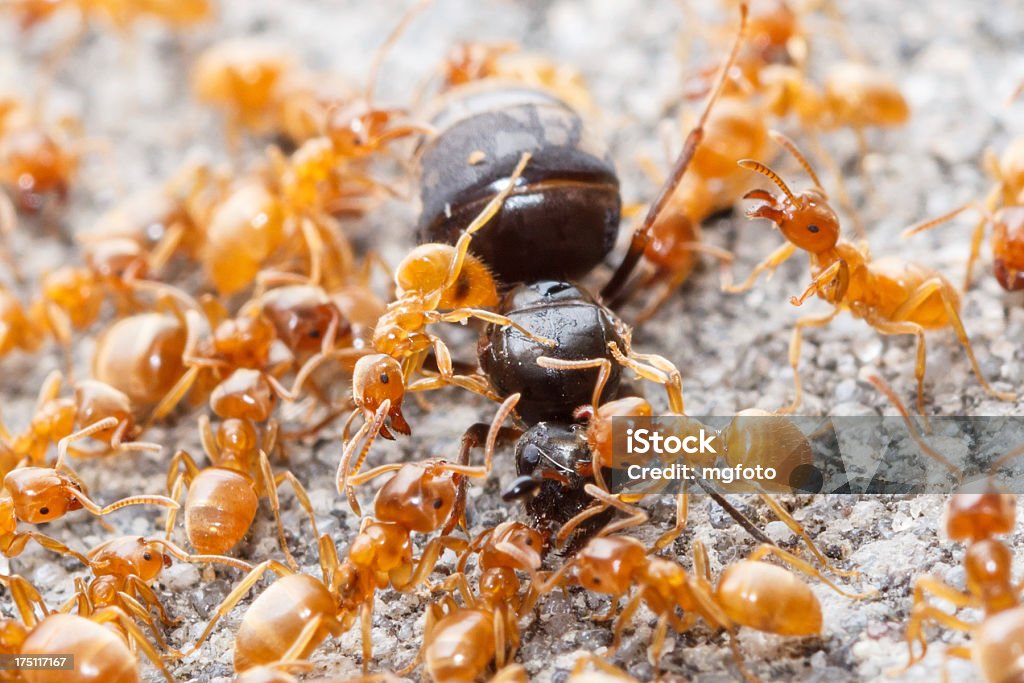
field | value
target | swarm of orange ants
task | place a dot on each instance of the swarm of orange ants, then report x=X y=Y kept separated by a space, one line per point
x=243 y=291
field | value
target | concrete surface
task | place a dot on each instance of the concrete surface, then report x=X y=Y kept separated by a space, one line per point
x=956 y=62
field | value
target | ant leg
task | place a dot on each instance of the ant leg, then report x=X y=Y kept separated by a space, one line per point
x=949 y=299
x=369 y=431
x=60 y=324
x=50 y=389
x=293 y=655
x=109 y=614
x=459 y=315
x=642 y=235
x=906 y=327
x=883 y=387
x=773 y=261
x=830 y=284
x=473 y=383
x=428 y=560
x=162 y=252
x=603 y=365
x=173 y=397
x=84 y=433
x=701 y=563
x=329 y=561
x=269 y=487
x=315 y=245
x=637 y=516
x=794 y=355
x=680 y=276
x=489 y=211
x=624 y=618
x=470 y=440
x=570 y=526
x=798 y=529
x=134 y=608
x=920 y=614
x=682 y=512
x=300 y=494
x=235 y=596
x=654 y=368
x=21 y=538
x=366 y=630
x=26 y=597
x=499 y=622
x=602 y=665
x=806 y=568
x=657 y=643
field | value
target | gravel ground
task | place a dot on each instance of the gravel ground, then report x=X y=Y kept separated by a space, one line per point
x=956 y=62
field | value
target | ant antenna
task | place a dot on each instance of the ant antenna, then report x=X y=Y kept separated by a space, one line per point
x=396 y=33
x=757 y=166
x=643 y=234
x=791 y=147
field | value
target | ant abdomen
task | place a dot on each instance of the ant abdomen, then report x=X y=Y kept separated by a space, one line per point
x=560 y=221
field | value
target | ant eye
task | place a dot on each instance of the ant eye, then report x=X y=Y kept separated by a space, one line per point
x=529 y=541
x=438 y=503
x=44 y=511
x=384 y=379
x=147 y=557
x=597 y=580
x=314 y=333
x=813 y=228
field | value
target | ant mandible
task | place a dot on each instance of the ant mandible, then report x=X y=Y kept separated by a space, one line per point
x=891 y=295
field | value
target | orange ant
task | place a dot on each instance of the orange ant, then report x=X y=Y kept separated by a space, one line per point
x=94 y=646
x=1004 y=210
x=242 y=353
x=173 y=12
x=97 y=410
x=37 y=158
x=891 y=295
x=419 y=498
x=750 y=592
x=753 y=437
x=460 y=642
x=223 y=497
x=472 y=62
x=432 y=278
x=141 y=355
x=123 y=569
x=976 y=519
x=35 y=495
x=141 y=233
x=243 y=76
x=670 y=231
x=21 y=328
